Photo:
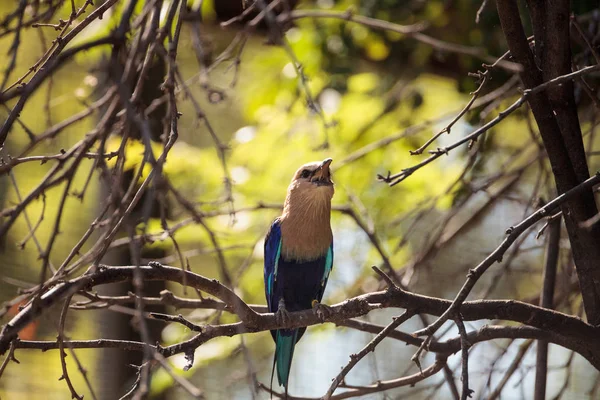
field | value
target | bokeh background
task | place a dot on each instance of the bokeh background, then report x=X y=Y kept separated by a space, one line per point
x=380 y=95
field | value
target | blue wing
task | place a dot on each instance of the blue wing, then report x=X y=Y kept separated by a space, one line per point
x=272 y=252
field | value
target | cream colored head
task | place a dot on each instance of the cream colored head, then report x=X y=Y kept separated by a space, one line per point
x=311 y=186
x=305 y=226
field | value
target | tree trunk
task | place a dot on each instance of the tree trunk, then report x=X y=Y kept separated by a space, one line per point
x=556 y=115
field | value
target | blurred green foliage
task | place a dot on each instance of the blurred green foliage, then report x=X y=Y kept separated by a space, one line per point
x=366 y=85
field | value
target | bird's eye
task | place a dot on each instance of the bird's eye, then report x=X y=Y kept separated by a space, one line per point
x=305 y=174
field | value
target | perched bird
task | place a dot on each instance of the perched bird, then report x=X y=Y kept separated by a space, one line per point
x=299 y=258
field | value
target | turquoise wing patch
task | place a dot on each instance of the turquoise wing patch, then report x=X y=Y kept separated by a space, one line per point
x=328 y=265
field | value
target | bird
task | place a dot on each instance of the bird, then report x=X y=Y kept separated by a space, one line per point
x=299 y=258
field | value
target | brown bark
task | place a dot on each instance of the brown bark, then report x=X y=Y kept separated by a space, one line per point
x=555 y=112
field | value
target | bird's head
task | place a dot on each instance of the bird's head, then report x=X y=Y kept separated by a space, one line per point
x=313 y=182
x=311 y=189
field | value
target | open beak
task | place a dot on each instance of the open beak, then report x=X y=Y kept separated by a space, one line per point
x=323 y=176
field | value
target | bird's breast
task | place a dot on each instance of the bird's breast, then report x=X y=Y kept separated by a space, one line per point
x=292 y=252
x=304 y=244
x=305 y=232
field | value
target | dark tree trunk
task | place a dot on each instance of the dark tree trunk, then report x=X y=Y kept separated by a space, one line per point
x=122 y=375
x=556 y=115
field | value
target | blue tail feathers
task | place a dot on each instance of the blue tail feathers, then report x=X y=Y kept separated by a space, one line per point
x=284 y=351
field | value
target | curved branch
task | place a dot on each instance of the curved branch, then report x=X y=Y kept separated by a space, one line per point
x=572 y=329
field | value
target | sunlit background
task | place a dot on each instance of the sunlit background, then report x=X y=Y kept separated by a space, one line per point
x=378 y=95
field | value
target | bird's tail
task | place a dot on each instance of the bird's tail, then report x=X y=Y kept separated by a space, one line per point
x=285 y=341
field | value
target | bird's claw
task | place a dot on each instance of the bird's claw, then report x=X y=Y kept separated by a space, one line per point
x=282 y=316
x=321 y=310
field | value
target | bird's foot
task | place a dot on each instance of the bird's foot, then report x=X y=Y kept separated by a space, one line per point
x=321 y=310
x=282 y=316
